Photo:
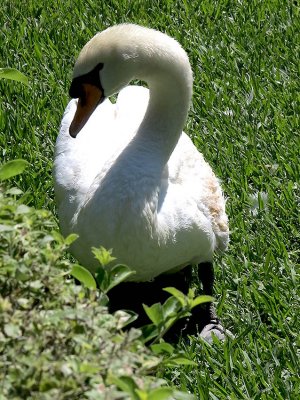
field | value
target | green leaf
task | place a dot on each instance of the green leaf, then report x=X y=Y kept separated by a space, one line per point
x=180 y=361
x=125 y=317
x=154 y=313
x=178 y=395
x=102 y=279
x=126 y=384
x=12 y=168
x=86 y=367
x=178 y=294
x=170 y=307
x=23 y=209
x=6 y=228
x=162 y=348
x=12 y=330
x=200 y=300
x=172 y=320
x=71 y=238
x=58 y=237
x=143 y=395
x=84 y=276
x=118 y=274
x=149 y=332
x=14 y=191
x=103 y=299
x=13 y=74
x=191 y=293
x=162 y=393
x=102 y=255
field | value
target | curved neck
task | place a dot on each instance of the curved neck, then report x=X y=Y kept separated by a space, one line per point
x=170 y=96
x=135 y=177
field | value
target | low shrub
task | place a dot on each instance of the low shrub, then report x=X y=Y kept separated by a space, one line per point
x=56 y=339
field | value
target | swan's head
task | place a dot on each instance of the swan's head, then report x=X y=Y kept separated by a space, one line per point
x=112 y=58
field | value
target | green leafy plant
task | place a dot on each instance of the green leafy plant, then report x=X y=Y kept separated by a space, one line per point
x=56 y=338
x=49 y=324
x=164 y=316
x=105 y=277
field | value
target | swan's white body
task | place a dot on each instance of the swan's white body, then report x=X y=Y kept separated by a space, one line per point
x=132 y=180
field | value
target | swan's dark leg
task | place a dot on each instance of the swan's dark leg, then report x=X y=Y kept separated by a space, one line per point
x=206 y=276
x=203 y=315
x=212 y=324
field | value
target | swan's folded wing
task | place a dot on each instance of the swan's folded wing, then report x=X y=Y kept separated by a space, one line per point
x=188 y=169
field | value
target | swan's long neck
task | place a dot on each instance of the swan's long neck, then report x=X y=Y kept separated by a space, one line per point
x=169 y=78
x=166 y=114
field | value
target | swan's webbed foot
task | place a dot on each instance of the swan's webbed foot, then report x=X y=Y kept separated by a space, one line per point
x=214 y=328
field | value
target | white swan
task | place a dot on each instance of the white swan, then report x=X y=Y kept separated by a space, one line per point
x=132 y=180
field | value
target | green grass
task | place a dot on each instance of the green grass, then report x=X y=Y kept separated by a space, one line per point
x=245 y=120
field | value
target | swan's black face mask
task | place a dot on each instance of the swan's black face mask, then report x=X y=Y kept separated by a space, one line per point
x=89 y=91
x=92 y=77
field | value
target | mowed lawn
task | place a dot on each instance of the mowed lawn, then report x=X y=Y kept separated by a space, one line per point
x=244 y=119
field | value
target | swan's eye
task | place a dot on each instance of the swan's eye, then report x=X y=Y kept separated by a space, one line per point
x=79 y=92
x=76 y=90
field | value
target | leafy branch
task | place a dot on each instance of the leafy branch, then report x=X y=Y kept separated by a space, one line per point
x=164 y=316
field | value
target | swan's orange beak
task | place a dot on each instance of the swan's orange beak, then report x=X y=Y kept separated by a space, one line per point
x=87 y=104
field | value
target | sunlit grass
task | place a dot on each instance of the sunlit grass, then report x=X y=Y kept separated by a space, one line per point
x=245 y=120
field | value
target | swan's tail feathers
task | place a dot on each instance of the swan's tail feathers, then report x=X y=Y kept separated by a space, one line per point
x=222 y=240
